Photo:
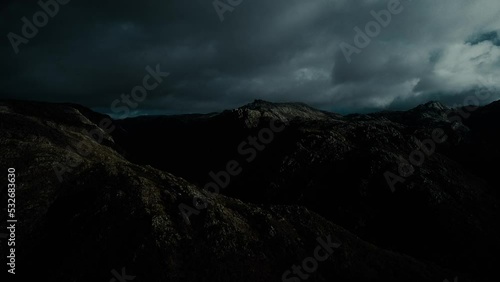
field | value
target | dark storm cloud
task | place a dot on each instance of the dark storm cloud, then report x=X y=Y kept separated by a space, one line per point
x=489 y=36
x=283 y=50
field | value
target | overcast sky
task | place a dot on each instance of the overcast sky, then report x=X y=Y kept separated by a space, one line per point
x=91 y=52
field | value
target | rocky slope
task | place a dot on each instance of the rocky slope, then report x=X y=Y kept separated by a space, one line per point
x=116 y=205
x=445 y=211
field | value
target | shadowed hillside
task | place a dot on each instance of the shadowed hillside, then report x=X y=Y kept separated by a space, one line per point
x=117 y=206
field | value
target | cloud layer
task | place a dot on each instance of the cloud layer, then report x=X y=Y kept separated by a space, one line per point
x=282 y=50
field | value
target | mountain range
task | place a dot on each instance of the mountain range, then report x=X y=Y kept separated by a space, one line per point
x=404 y=196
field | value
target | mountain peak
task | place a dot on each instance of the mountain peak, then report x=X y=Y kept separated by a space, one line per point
x=262 y=104
x=433 y=105
x=253 y=112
